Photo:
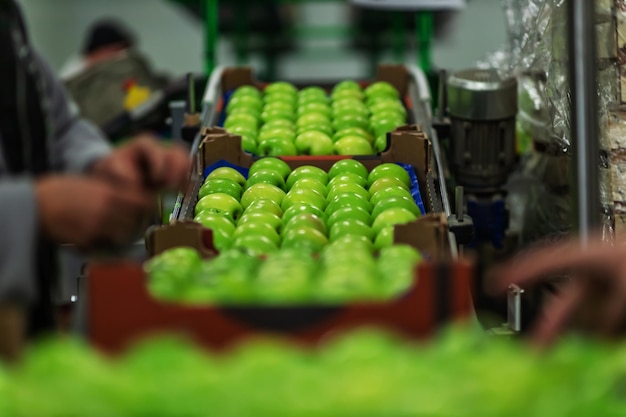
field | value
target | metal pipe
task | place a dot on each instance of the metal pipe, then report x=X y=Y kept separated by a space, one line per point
x=584 y=114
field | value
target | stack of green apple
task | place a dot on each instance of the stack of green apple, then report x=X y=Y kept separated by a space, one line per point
x=305 y=208
x=368 y=373
x=283 y=121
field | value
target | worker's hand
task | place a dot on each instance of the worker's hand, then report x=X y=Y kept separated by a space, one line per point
x=85 y=211
x=594 y=300
x=144 y=163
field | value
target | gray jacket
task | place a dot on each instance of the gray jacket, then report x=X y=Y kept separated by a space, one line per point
x=75 y=145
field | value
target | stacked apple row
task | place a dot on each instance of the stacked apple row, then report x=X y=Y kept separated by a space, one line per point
x=305 y=208
x=339 y=274
x=282 y=121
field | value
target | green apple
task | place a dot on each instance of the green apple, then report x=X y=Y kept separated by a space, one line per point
x=348 y=213
x=227 y=173
x=386 y=182
x=391 y=217
x=381 y=89
x=249 y=144
x=247 y=90
x=344 y=282
x=282 y=105
x=285 y=278
x=381 y=143
x=241 y=119
x=345 y=166
x=353 y=131
x=220 y=185
x=342 y=188
x=359 y=243
x=251 y=102
x=267 y=217
x=275 y=113
x=304 y=100
x=347 y=178
x=281 y=87
x=313 y=92
x=307 y=171
x=296 y=209
x=243 y=130
x=221 y=226
x=324 y=128
x=356 y=258
x=312 y=119
x=305 y=220
x=280 y=132
x=314 y=107
x=350 y=108
x=267 y=176
x=388 y=105
x=348 y=200
x=378 y=196
x=281 y=98
x=348 y=93
x=311 y=183
x=391 y=202
x=396 y=265
x=274 y=164
x=252 y=111
x=383 y=126
x=264 y=206
x=347 y=85
x=277 y=146
x=384 y=238
x=350 y=227
x=304 y=238
x=303 y=195
x=254 y=228
x=314 y=143
x=255 y=245
x=353 y=145
x=389 y=170
x=278 y=123
x=262 y=191
x=220 y=203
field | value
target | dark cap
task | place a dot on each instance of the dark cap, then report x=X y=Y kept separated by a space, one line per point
x=107 y=32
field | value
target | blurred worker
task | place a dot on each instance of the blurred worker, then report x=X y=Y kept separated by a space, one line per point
x=593 y=300
x=59 y=180
x=111 y=72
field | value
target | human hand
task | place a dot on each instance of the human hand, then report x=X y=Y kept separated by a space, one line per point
x=87 y=211
x=594 y=300
x=145 y=164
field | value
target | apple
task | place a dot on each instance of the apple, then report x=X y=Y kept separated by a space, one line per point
x=221 y=226
x=350 y=227
x=254 y=228
x=220 y=202
x=353 y=145
x=313 y=92
x=247 y=90
x=264 y=206
x=279 y=113
x=344 y=282
x=349 y=212
x=277 y=146
x=342 y=188
x=389 y=105
x=278 y=123
x=312 y=119
x=274 y=164
x=307 y=171
x=378 y=196
x=220 y=185
x=305 y=220
x=243 y=130
x=348 y=93
x=305 y=238
x=262 y=191
x=356 y=243
x=381 y=89
x=391 y=202
x=267 y=176
x=267 y=217
x=384 y=126
x=255 y=244
x=391 y=217
x=350 y=107
x=311 y=183
x=302 y=195
x=347 y=85
x=396 y=266
x=281 y=87
x=299 y=208
x=359 y=255
x=384 y=238
x=285 y=278
x=277 y=132
x=314 y=143
x=171 y=271
x=348 y=166
x=386 y=182
x=314 y=107
x=292 y=100
x=227 y=173
x=251 y=102
x=280 y=105
x=241 y=119
x=323 y=128
x=249 y=144
x=346 y=178
x=252 y=111
x=381 y=143
x=353 y=131
x=389 y=170
x=347 y=199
